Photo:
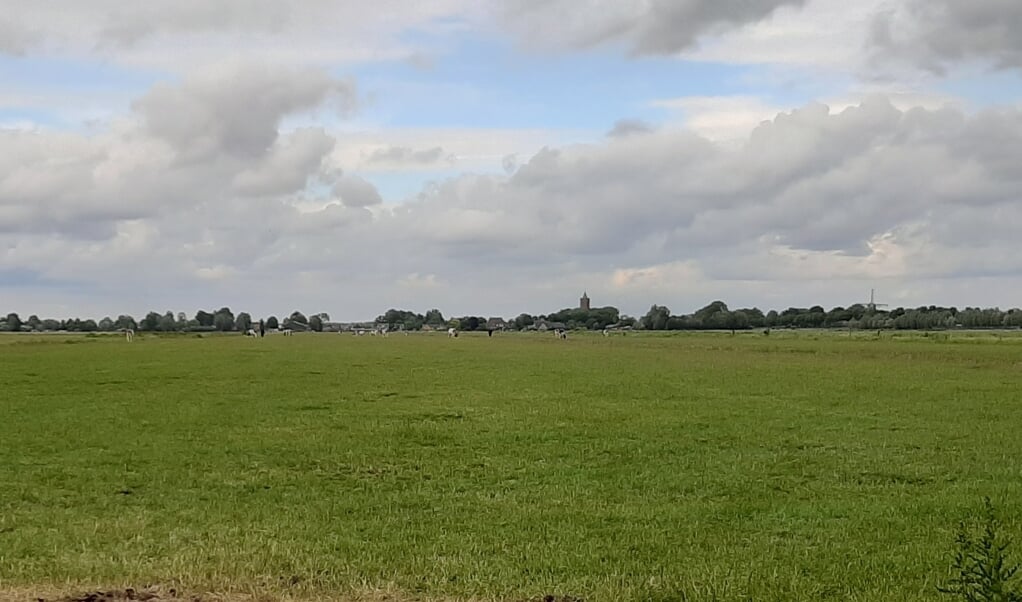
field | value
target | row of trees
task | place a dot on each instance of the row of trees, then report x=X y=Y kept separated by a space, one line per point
x=594 y=319
x=715 y=316
x=222 y=320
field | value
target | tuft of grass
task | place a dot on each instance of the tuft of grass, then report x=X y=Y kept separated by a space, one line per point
x=981 y=569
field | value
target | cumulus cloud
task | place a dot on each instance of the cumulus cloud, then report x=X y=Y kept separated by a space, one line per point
x=939 y=33
x=869 y=192
x=649 y=27
x=235 y=108
x=186 y=147
x=813 y=200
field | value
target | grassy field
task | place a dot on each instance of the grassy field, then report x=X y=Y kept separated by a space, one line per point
x=699 y=466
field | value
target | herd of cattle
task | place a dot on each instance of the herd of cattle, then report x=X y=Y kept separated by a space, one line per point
x=560 y=333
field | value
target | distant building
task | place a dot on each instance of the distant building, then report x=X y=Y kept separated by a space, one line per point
x=543 y=325
x=496 y=324
x=583 y=303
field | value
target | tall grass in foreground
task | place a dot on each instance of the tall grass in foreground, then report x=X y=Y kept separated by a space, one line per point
x=981 y=568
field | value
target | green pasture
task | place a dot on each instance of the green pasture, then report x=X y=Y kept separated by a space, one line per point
x=809 y=466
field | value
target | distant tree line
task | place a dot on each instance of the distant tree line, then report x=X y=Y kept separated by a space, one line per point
x=715 y=316
x=221 y=320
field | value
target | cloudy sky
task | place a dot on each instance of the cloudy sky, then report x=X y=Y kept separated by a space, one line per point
x=498 y=157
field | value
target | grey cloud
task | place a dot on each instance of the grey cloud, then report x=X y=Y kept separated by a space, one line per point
x=809 y=179
x=404 y=154
x=15 y=39
x=355 y=191
x=650 y=27
x=234 y=109
x=627 y=127
x=938 y=33
x=132 y=22
x=288 y=165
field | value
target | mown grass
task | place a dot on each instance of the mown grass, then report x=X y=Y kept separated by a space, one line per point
x=819 y=467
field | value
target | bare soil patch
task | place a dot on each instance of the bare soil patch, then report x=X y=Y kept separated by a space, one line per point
x=176 y=595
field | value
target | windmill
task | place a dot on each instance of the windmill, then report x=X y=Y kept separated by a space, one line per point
x=873 y=305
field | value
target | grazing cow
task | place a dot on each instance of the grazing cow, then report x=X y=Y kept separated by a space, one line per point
x=287 y=332
x=129 y=335
x=561 y=334
x=251 y=333
x=606 y=332
x=452 y=332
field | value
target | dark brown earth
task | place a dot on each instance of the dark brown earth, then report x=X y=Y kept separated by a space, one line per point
x=174 y=595
x=117 y=595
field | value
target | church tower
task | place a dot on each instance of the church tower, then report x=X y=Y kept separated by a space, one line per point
x=583 y=303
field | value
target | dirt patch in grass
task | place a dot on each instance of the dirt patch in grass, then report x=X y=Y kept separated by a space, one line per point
x=176 y=595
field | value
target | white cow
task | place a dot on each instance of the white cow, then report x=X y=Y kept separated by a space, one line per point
x=287 y=332
x=251 y=333
x=452 y=332
x=129 y=335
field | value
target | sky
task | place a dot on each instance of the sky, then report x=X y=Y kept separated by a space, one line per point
x=493 y=158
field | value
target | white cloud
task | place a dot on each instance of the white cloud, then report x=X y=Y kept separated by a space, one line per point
x=822 y=33
x=417 y=281
x=175 y=35
x=720 y=118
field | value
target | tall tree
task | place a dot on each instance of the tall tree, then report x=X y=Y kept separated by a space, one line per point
x=126 y=321
x=243 y=322
x=150 y=322
x=204 y=318
x=433 y=317
x=167 y=322
x=223 y=319
x=656 y=318
x=13 y=322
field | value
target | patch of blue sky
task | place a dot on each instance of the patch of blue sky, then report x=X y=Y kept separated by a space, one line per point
x=491 y=84
x=25 y=278
x=983 y=88
x=398 y=187
x=12 y=116
x=59 y=91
